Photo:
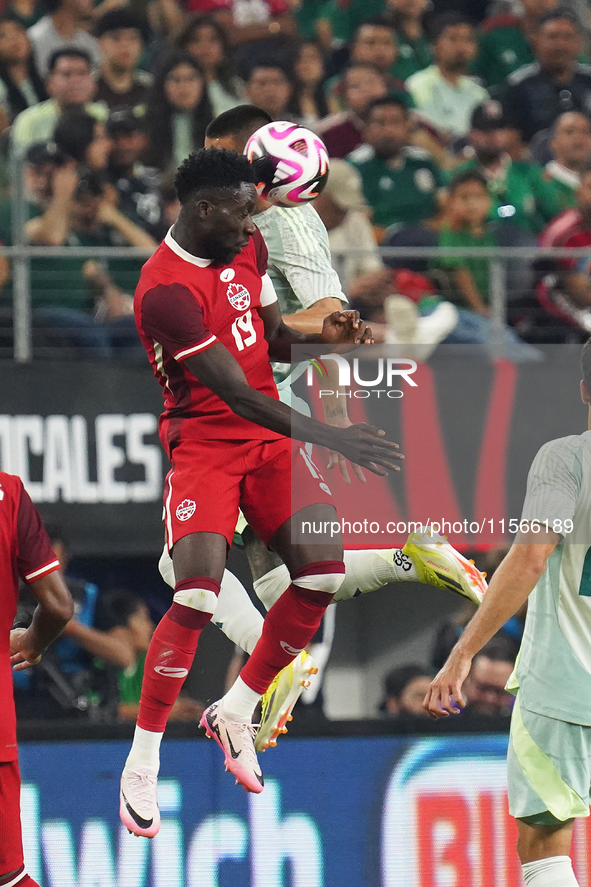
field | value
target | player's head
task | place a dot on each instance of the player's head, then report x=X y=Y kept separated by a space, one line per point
x=217 y=195
x=233 y=128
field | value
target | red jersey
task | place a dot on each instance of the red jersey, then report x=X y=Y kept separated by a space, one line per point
x=569 y=229
x=183 y=305
x=25 y=552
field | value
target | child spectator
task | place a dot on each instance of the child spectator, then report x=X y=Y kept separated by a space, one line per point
x=443 y=92
x=177 y=114
x=466 y=225
x=121 y=83
x=206 y=41
x=20 y=83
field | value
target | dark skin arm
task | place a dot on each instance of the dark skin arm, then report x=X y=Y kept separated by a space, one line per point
x=219 y=371
x=339 y=328
x=54 y=610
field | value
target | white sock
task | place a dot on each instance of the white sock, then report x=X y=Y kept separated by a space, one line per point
x=271 y=586
x=236 y=614
x=239 y=702
x=554 y=871
x=372 y=569
x=145 y=750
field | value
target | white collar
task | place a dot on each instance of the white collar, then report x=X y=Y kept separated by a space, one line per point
x=182 y=253
x=563 y=174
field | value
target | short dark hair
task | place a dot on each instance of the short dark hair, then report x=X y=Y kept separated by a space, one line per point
x=466 y=176
x=275 y=64
x=67 y=52
x=386 y=101
x=500 y=648
x=210 y=169
x=586 y=363
x=375 y=22
x=447 y=20
x=118 y=20
x=560 y=13
x=239 y=122
x=118 y=606
x=74 y=132
x=368 y=66
x=399 y=678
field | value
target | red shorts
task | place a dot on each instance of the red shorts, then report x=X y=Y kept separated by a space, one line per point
x=11 y=841
x=211 y=480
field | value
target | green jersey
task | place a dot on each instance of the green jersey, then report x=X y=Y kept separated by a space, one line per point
x=502 y=49
x=299 y=262
x=413 y=56
x=129 y=682
x=519 y=192
x=398 y=191
x=565 y=183
x=478 y=268
x=553 y=670
x=345 y=19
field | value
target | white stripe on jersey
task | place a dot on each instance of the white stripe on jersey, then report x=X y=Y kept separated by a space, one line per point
x=48 y=568
x=180 y=355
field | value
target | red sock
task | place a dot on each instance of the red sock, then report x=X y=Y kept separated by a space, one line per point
x=18 y=880
x=170 y=656
x=289 y=626
x=27 y=881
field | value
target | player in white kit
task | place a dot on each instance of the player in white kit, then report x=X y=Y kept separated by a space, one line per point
x=549 y=757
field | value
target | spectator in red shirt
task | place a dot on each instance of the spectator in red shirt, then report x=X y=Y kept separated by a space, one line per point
x=25 y=553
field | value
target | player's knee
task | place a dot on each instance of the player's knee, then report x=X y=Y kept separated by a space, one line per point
x=324 y=576
x=199 y=593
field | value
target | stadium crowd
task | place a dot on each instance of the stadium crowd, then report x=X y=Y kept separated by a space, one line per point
x=454 y=124
x=450 y=124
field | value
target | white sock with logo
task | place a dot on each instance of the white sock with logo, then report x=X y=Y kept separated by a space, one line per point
x=145 y=750
x=369 y=570
x=365 y=571
x=239 y=702
x=554 y=871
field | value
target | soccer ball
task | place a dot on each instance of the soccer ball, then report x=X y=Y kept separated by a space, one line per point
x=290 y=163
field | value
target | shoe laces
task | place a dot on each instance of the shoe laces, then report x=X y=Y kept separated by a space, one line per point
x=247 y=733
x=143 y=786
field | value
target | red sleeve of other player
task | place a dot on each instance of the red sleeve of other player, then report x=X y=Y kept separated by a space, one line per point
x=260 y=251
x=172 y=316
x=35 y=556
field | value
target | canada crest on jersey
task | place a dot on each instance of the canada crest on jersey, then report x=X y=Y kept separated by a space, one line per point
x=238 y=296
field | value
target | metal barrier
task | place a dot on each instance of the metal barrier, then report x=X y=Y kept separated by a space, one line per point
x=21 y=255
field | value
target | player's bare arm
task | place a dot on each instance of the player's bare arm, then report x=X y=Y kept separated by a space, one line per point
x=218 y=370
x=54 y=610
x=310 y=320
x=339 y=328
x=509 y=588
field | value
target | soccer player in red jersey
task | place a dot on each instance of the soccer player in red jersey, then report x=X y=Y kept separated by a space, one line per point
x=207 y=314
x=25 y=552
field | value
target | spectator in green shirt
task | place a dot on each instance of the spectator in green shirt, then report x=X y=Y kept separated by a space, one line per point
x=400 y=182
x=466 y=225
x=518 y=189
x=505 y=42
x=570 y=143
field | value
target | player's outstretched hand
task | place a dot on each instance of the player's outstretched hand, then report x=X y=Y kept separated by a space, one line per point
x=367 y=446
x=22 y=653
x=444 y=696
x=346 y=328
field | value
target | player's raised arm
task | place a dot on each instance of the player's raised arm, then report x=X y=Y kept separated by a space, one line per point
x=218 y=370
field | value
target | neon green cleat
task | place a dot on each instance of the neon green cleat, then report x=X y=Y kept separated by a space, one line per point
x=438 y=563
x=280 y=698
